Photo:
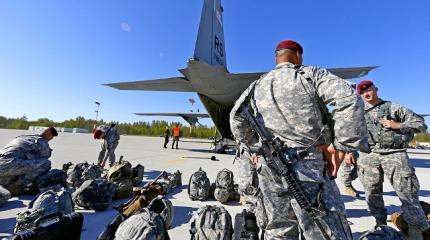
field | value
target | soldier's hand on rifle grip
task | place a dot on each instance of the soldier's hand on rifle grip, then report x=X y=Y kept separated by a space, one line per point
x=255 y=161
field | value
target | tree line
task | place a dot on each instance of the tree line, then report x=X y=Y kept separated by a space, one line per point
x=154 y=128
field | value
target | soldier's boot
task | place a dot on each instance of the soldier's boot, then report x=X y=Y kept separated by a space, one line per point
x=414 y=233
x=380 y=222
x=350 y=191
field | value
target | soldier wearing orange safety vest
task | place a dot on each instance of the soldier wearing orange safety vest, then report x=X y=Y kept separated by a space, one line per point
x=176 y=133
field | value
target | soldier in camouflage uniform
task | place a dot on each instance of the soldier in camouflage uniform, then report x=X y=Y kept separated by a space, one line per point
x=110 y=138
x=390 y=127
x=25 y=158
x=290 y=103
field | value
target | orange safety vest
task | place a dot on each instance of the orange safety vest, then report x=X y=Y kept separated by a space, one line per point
x=176 y=131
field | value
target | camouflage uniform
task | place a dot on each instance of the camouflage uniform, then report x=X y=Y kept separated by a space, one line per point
x=22 y=160
x=349 y=173
x=288 y=103
x=109 y=144
x=388 y=156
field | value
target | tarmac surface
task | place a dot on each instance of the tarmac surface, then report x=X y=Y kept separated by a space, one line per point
x=148 y=151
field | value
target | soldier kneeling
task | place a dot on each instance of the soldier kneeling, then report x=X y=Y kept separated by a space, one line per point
x=24 y=159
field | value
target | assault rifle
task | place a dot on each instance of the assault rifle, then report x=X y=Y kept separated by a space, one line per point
x=109 y=232
x=280 y=158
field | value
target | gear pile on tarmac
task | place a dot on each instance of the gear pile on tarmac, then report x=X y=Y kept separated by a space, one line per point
x=146 y=151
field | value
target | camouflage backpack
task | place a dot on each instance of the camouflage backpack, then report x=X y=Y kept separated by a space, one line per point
x=94 y=194
x=82 y=172
x=162 y=206
x=224 y=185
x=211 y=223
x=123 y=188
x=44 y=204
x=120 y=170
x=50 y=179
x=4 y=195
x=382 y=232
x=121 y=174
x=199 y=185
x=145 y=225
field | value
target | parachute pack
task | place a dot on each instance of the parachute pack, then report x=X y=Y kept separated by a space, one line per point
x=46 y=203
x=81 y=172
x=224 y=185
x=211 y=223
x=199 y=185
x=94 y=194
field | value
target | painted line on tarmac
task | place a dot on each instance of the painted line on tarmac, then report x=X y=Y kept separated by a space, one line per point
x=177 y=160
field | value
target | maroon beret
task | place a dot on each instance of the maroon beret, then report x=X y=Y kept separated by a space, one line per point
x=363 y=86
x=97 y=134
x=290 y=44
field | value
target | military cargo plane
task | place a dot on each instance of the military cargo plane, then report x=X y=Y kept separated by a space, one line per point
x=207 y=74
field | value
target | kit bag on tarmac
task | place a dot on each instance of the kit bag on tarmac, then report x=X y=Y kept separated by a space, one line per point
x=199 y=186
x=141 y=200
x=138 y=172
x=211 y=223
x=224 y=186
x=245 y=226
x=46 y=203
x=54 y=226
x=81 y=172
x=144 y=225
x=120 y=170
x=94 y=194
x=162 y=206
x=52 y=178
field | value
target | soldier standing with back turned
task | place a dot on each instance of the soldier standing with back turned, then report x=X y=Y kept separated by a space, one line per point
x=391 y=127
x=290 y=103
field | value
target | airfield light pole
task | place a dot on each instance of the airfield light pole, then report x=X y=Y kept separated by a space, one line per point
x=97 y=113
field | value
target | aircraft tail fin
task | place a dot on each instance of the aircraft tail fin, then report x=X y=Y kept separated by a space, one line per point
x=210 y=39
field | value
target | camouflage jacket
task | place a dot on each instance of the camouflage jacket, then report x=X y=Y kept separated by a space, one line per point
x=26 y=147
x=384 y=140
x=112 y=135
x=288 y=102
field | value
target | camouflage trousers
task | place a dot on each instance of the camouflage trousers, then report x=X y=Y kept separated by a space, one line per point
x=284 y=219
x=348 y=173
x=17 y=173
x=247 y=178
x=395 y=166
x=107 y=150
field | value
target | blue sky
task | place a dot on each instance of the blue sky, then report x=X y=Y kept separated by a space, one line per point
x=54 y=55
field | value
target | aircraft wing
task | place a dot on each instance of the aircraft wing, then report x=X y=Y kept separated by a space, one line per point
x=345 y=73
x=353 y=72
x=175 y=84
x=189 y=114
x=424 y=115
